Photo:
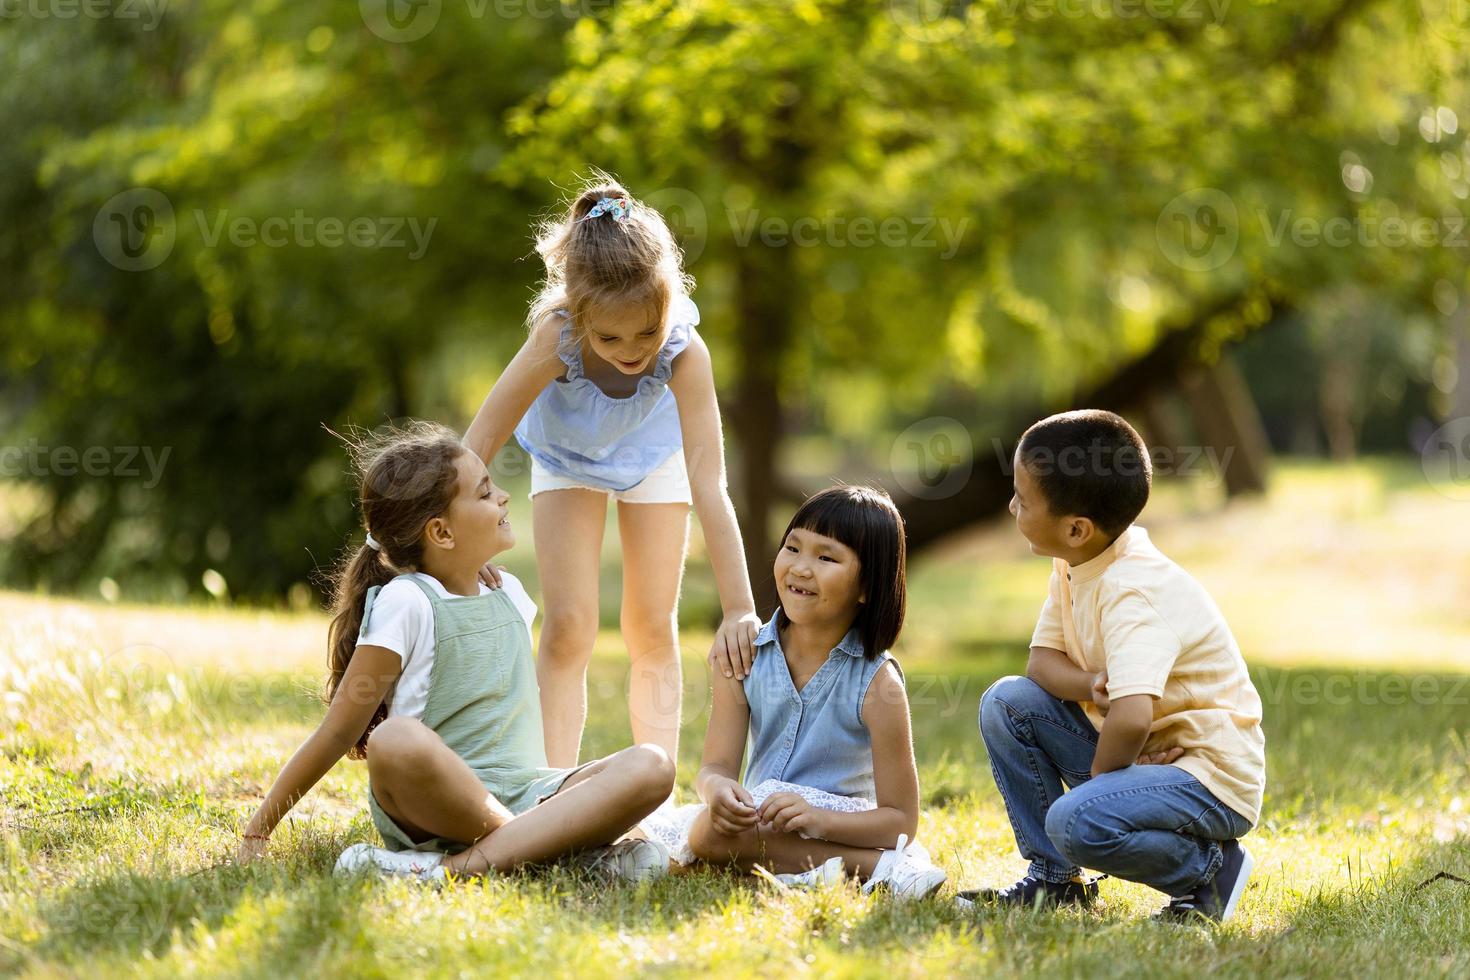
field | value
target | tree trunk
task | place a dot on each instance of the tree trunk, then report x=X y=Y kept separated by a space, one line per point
x=988 y=491
x=764 y=290
x=1227 y=422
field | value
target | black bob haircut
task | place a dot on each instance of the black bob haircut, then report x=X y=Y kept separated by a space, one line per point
x=1089 y=464
x=866 y=520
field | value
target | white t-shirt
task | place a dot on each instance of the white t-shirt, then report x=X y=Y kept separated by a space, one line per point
x=402 y=620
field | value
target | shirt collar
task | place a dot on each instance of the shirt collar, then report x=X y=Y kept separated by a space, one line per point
x=851 y=644
x=1094 y=567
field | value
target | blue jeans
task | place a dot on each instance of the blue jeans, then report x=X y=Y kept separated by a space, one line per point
x=1156 y=825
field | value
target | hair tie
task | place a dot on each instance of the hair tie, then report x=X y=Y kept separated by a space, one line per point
x=372 y=542
x=618 y=207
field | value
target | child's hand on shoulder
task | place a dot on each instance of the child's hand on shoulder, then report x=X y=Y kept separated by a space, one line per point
x=787 y=813
x=731 y=809
x=490 y=575
x=734 y=648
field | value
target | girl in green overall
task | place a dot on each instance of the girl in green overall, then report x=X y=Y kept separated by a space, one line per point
x=433 y=683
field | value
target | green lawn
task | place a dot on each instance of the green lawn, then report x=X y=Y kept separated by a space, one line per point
x=137 y=739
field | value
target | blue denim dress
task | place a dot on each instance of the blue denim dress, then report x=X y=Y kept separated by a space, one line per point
x=816 y=736
x=578 y=431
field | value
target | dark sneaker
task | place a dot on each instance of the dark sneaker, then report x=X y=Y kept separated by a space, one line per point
x=1216 y=901
x=1031 y=892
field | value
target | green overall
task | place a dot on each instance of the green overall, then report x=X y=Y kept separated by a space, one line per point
x=484 y=703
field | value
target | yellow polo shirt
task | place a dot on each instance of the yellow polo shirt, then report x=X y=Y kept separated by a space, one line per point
x=1158 y=632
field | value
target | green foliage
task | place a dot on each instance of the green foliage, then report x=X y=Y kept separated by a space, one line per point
x=964 y=207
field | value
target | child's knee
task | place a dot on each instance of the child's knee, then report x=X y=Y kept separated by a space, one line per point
x=398 y=745
x=1009 y=692
x=1082 y=830
x=568 y=632
x=649 y=773
x=709 y=845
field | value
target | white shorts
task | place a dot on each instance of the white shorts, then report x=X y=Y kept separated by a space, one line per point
x=667 y=484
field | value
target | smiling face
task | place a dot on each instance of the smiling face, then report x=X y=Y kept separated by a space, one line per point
x=625 y=338
x=478 y=517
x=819 y=579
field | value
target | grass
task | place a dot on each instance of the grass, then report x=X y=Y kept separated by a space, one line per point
x=136 y=740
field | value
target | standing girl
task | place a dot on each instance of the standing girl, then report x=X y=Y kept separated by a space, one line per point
x=613 y=395
x=830 y=786
x=432 y=682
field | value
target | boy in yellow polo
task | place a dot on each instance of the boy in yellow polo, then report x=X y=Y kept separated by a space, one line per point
x=1131 y=663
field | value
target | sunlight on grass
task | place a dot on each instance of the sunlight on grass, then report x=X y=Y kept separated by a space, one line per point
x=137 y=739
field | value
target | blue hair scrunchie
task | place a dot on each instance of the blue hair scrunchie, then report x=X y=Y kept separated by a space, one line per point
x=618 y=207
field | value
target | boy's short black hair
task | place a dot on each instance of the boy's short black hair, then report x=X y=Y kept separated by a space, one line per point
x=1090 y=464
x=867 y=521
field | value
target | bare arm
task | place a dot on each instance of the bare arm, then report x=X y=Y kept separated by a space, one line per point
x=1123 y=733
x=531 y=370
x=693 y=385
x=367 y=680
x=895 y=775
x=718 y=781
x=1058 y=676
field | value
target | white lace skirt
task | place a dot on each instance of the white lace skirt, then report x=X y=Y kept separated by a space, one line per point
x=669 y=824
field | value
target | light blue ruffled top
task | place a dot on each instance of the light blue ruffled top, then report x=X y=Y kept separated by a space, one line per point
x=578 y=431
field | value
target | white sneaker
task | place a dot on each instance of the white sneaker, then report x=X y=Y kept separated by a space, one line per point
x=906 y=872
x=627 y=860
x=360 y=858
x=830 y=872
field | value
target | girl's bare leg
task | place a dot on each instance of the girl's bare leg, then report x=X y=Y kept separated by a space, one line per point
x=594 y=806
x=425 y=787
x=655 y=537
x=779 y=853
x=569 y=526
x=430 y=792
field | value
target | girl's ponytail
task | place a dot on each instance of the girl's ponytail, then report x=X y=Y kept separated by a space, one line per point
x=362 y=570
x=409 y=476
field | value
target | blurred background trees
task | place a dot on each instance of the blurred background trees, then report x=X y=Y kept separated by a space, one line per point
x=917 y=226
